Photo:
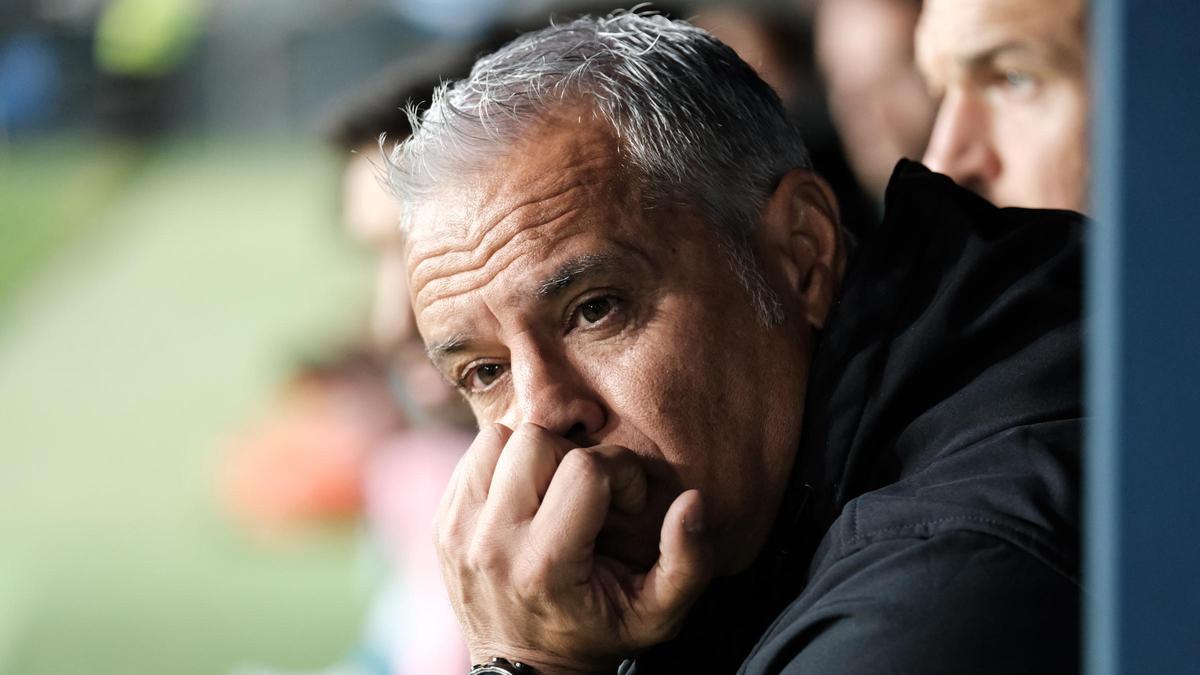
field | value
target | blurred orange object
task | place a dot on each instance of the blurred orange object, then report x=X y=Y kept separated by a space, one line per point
x=301 y=464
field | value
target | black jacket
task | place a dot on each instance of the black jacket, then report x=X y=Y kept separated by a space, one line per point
x=931 y=524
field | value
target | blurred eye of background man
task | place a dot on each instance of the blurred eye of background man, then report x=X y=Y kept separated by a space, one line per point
x=1012 y=74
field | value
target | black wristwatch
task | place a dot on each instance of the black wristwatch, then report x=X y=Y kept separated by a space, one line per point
x=499 y=666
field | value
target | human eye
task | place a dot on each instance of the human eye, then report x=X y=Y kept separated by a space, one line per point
x=1019 y=80
x=481 y=377
x=593 y=311
x=1015 y=81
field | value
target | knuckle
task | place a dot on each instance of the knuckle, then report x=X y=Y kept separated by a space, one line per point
x=653 y=630
x=665 y=629
x=582 y=463
x=488 y=435
x=531 y=579
x=448 y=533
x=529 y=431
x=477 y=557
x=616 y=452
x=484 y=556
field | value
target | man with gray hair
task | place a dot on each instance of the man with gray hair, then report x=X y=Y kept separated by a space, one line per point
x=710 y=439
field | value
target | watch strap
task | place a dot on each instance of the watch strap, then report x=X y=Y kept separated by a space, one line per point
x=501 y=666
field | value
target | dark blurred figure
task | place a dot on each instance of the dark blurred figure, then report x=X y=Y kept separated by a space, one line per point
x=779 y=46
x=30 y=82
x=879 y=104
x=1013 y=121
x=773 y=44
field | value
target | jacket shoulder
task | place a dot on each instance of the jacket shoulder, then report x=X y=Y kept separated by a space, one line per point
x=948 y=600
x=967 y=565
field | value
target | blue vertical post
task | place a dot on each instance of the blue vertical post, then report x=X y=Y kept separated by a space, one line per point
x=1143 y=469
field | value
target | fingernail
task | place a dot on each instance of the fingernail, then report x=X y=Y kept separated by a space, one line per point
x=693 y=524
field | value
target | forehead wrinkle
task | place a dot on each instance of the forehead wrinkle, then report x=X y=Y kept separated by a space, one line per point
x=521 y=242
x=459 y=341
x=490 y=237
x=518 y=225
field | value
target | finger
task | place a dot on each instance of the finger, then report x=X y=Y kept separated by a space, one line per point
x=577 y=502
x=474 y=471
x=627 y=477
x=523 y=472
x=450 y=493
x=684 y=568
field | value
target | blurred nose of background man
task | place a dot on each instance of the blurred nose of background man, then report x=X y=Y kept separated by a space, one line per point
x=962 y=146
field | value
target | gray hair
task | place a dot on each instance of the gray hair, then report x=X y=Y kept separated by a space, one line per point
x=695 y=123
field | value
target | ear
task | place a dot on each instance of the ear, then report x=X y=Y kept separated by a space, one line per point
x=801 y=236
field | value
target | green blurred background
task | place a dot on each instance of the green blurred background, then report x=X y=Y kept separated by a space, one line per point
x=169 y=253
x=152 y=296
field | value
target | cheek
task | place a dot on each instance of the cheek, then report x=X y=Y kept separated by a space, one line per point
x=1072 y=123
x=1047 y=132
x=682 y=392
x=1045 y=151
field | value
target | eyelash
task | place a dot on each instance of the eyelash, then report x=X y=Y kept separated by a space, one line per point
x=570 y=322
x=1015 y=80
x=463 y=382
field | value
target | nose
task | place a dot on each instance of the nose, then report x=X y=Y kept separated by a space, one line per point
x=960 y=145
x=553 y=394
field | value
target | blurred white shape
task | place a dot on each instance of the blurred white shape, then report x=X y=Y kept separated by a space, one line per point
x=450 y=17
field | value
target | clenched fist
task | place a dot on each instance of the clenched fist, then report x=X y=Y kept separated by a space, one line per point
x=516 y=532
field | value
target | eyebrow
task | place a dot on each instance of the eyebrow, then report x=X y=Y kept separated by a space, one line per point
x=1052 y=54
x=438 y=351
x=572 y=271
x=986 y=56
x=563 y=278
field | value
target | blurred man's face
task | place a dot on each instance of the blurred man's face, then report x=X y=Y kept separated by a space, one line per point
x=881 y=108
x=1014 y=114
x=548 y=294
x=372 y=217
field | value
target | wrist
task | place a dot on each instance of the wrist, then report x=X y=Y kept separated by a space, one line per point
x=501 y=666
x=512 y=663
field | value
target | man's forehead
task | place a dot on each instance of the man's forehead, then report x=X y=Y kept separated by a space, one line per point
x=952 y=31
x=561 y=180
x=561 y=152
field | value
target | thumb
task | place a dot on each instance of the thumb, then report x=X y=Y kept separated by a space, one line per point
x=684 y=568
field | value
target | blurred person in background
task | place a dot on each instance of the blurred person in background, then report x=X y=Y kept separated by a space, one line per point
x=312 y=460
x=771 y=43
x=1012 y=77
x=369 y=118
x=411 y=628
x=879 y=104
x=778 y=45
x=302 y=461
